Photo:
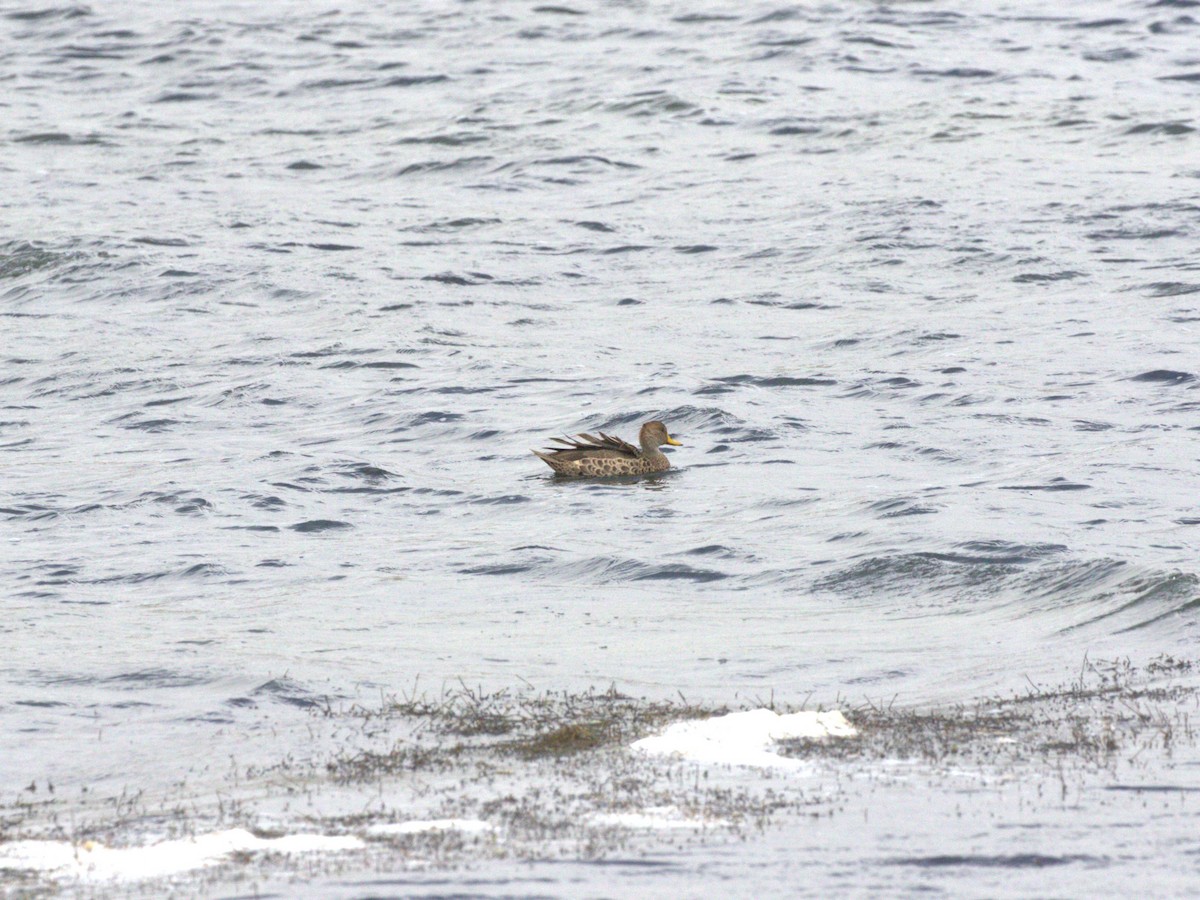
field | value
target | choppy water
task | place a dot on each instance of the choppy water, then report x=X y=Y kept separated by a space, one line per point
x=288 y=292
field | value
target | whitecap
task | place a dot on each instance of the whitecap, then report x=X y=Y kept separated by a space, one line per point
x=93 y=861
x=745 y=738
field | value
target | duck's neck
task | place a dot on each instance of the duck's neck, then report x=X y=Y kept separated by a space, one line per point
x=651 y=451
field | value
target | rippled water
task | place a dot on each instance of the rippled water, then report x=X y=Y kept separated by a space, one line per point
x=288 y=292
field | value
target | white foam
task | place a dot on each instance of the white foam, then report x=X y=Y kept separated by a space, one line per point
x=418 y=826
x=91 y=861
x=654 y=818
x=744 y=738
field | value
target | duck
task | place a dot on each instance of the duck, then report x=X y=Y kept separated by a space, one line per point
x=594 y=456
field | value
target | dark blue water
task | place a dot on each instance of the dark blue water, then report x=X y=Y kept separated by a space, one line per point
x=287 y=293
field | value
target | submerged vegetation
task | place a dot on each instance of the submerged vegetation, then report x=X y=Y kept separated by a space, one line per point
x=528 y=724
x=1111 y=712
x=468 y=774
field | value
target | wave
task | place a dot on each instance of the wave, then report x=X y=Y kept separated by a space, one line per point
x=1024 y=581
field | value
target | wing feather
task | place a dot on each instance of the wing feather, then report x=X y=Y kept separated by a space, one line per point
x=584 y=443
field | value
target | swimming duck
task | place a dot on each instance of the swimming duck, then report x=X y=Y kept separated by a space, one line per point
x=607 y=455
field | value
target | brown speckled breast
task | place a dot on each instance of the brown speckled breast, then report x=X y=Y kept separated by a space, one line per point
x=602 y=467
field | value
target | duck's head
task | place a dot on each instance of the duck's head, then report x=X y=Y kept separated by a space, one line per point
x=654 y=435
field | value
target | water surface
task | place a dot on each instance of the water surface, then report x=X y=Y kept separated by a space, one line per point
x=288 y=293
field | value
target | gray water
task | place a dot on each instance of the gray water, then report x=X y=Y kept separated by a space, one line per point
x=288 y=292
